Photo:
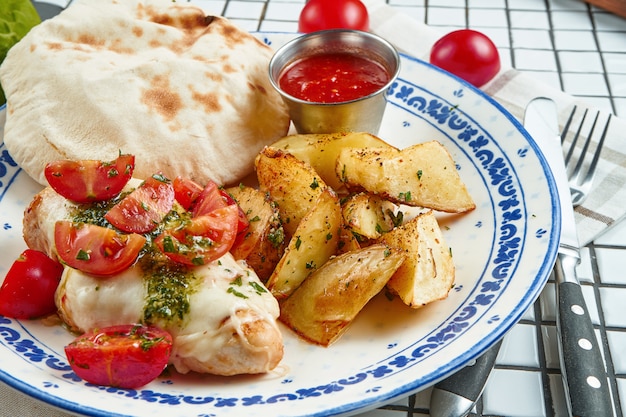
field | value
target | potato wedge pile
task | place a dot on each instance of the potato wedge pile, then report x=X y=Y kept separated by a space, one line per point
x=328 y=231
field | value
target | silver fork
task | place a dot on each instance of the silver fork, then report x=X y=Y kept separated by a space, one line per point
x=580 y=180
x=582 y=365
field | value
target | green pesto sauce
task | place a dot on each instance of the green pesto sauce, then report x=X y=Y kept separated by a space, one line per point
x=168 y=285
x=93 y=213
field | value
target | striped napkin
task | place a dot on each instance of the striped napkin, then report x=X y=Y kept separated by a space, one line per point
x=606 y=204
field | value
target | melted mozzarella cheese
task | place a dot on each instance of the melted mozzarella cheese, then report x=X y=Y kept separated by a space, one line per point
x=86 y=302
x=224 y=310
x=230 y=327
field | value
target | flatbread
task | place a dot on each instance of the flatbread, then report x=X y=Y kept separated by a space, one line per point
x=188 y=94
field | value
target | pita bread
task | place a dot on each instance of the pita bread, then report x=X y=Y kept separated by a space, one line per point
x=188 y=94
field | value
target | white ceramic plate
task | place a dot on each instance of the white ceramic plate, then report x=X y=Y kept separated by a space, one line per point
x=503 y=251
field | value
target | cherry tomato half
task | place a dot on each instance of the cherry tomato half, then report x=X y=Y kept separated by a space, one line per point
x=209 y=199
x=333 y=14
x=200 y=201
x=95 y=249
x=468 y=54
x=201 y=240
x=124 y=356
x=145 y=207
x=213 y=198
x=29 y=286
x=186 y=191
x=243 y=224
x=89 y=180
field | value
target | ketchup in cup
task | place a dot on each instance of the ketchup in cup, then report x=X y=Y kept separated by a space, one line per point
x=335 y=80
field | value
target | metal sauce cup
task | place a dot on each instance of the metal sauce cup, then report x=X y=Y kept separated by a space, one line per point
x=361 y=115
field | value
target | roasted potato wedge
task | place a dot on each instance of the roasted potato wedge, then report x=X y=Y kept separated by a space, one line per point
x=264 y=242
x=368 y=215
x=427 y=274
x=347 y=241
x=420 y=175
x=293 y=185
x=313 y=243
x=321 y=309
x=321 y=150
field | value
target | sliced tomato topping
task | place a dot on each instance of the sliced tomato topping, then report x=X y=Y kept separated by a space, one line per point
x=124 y=356
x=201 y=240
x=29 y=286
x=209 y=199
x=186 y=191
x=145 y=207
x=243 y=224
x=94 y=249
x=89 y=180
x=214 y=197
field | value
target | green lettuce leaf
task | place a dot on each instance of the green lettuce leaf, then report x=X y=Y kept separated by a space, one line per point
x=17 y=17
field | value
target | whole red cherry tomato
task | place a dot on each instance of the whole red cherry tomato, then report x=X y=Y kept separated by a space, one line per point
x=124 y=356
x=28 y=289
x=468 y=54
x=333 y=14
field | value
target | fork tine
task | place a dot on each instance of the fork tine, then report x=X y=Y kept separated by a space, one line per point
x=596 y=156
x=583 y=152
x=580 y=183
x=576 y=136
x=567 y=123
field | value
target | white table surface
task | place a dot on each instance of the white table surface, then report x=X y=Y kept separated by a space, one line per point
x=572 y=46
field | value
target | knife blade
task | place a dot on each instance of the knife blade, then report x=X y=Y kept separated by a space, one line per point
x=456 y=395
x=582 y=366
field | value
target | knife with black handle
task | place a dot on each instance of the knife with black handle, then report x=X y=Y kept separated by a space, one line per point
x=456 y=395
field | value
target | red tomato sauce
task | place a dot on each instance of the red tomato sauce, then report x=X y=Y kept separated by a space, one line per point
x=333 y=78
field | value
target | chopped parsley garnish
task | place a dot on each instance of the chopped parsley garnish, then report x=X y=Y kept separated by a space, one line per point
x=236 y=293
x=276 y=236
x=161 y=177
x=168 y=245
x=397 y=219
x=257 y=287
x=406 y=196
x=113 y=172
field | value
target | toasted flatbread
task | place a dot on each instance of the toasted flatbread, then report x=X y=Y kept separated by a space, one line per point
x=188 y=94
